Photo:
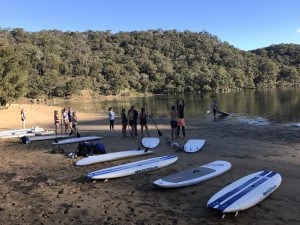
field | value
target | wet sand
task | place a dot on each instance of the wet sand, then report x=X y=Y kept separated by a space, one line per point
x=42 y=188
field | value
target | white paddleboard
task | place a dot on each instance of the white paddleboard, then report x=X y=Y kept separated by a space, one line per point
x=49 y=137
x=245 y=192
x=193 y=145
x=20 y=132
x=194 y=176
x=76 y=140
x=18 y=135
x=111 y=156
x=133 y=168
x=149 y=142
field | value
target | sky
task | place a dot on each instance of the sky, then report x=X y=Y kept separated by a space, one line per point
x=245 y=24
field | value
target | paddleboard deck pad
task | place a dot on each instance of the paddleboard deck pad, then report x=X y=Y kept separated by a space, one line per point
x=245 y=192
x=193 y=145
x=150 y=142
x=194 y=175
x=111 y=156
x=133 y=168
x=76 y=140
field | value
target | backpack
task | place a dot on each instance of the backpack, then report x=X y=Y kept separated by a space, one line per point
x=85 y=149
x=99 y=149
x=25 y=139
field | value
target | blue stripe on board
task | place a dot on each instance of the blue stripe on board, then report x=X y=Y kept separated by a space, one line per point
x=123 y=167
x=237 y=189
x=232 y=200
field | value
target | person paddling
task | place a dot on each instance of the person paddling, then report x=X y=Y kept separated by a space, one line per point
x=214 y=108
x=181 y=122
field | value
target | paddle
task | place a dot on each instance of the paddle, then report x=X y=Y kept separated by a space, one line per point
x=158 y=131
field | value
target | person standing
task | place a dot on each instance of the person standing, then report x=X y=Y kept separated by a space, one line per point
x=56 y=121
x=65 y=119
x=181 y=122
x=23 y=118
x=74 y=121
x=214 y=108
x=124 y=122
x=132 y=119
x=174 y=124
x=135 y=118
x=143 y=121
x=111 y=115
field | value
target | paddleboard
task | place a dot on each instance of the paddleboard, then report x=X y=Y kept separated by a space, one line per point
x=111 y=156
x=150 y=142
x=193 y=145
x=223 y=113
x=75 y=140
x=49 y=137
x=245 y=192
x=194 y=176
x=133 y=168
x=18 y=135
x=20 y=131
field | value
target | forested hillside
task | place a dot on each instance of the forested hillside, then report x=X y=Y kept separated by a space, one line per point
x=57 y=64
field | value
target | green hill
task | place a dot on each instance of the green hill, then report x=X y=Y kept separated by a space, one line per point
x=55 y=63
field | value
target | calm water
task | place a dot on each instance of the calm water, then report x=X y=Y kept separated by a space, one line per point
x=251 y=106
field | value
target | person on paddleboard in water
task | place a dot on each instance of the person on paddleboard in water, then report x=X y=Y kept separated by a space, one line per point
x=214 y=108
x=181 y=122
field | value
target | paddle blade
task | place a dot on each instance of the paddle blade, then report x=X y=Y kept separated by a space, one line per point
x=159 y=133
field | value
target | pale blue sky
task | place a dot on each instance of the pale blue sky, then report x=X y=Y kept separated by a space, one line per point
x=246 y=24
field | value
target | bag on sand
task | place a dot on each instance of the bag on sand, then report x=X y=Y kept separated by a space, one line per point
x=25 y=139
x=85 y=149
x=99 y=149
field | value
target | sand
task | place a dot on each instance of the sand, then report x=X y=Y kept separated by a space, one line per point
x=42 y=188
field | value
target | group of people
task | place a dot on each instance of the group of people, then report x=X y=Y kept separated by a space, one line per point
x=68 y=118
x=130 y=120
x=131 y=117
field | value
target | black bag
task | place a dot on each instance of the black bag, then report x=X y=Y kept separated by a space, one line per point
x=99 y=149
x=25 y=139
x=85 y=149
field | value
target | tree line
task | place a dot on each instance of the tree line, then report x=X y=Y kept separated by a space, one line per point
x=52 y=63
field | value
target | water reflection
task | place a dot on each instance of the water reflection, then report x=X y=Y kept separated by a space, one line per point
x=251 y=106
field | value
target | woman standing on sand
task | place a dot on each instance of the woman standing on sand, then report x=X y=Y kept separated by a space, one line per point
x=74 y=121
x=65 y=119
x=23 y=118
x=111 y=115
x=181 y=122
x=143 y=121
x=56 y=121
x=124 y=122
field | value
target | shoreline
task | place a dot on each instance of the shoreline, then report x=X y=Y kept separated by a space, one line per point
x=43 y=188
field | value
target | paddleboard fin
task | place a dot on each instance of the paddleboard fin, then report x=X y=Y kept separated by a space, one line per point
x=146 y=150
x=105 y=180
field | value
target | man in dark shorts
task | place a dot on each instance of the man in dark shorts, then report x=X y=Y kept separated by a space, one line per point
x=174 y=124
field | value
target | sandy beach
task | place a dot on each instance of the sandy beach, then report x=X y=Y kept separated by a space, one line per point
x=42 y=188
